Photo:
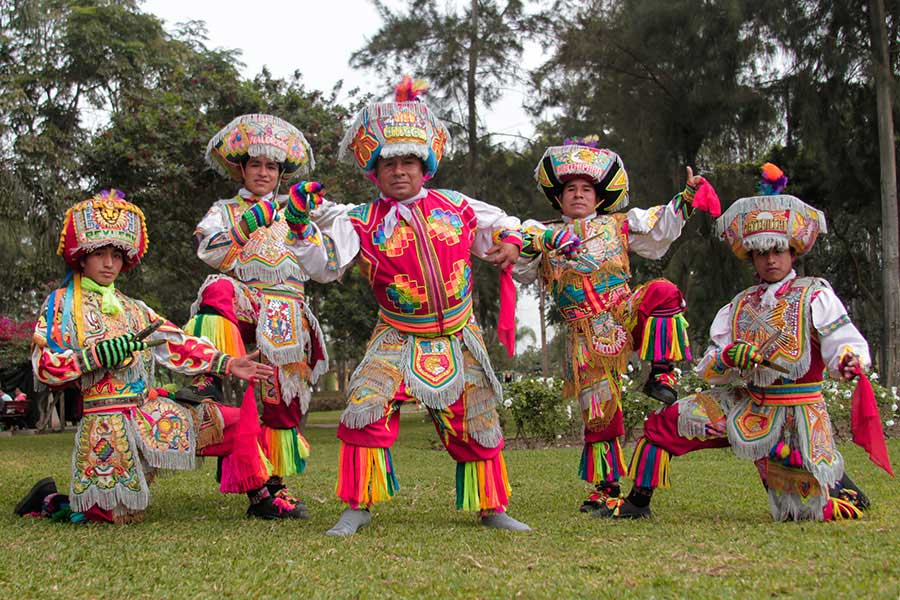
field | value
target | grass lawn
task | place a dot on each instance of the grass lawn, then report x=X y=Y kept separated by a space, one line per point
x=711 y=537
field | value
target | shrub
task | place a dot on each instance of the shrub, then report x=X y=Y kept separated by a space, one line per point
x=535 y=408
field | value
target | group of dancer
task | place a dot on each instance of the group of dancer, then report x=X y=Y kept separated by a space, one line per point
x=414 y=246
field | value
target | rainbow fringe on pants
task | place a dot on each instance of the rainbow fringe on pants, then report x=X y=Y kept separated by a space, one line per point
x=665 y=339
x=649 y=465
x=224 y=334
x=601 y=461
x=482 y=484
x=286 y=449
x=365 y=475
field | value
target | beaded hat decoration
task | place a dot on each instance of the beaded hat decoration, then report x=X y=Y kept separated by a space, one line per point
x=253 y=135
x=404 y=127
x=581 y=158
x=107 y=219
x=771 y=220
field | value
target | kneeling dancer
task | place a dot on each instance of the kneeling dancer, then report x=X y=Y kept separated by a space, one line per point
x=774 y=340
x=91 y=335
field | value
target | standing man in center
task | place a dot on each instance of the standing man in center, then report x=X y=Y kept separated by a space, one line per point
x=414 y=246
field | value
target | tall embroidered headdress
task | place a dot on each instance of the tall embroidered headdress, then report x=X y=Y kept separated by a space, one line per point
x=255 y=135
x=107 y=219
x=771 y=220
x=582 y=158
x=405 y=127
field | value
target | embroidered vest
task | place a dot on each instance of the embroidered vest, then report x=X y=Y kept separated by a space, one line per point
x=78 y=322
x=599 y=278
x=783 y=332
x=265 y=259
x=421 y=275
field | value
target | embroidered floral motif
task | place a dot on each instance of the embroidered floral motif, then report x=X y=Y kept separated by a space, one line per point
x=399 y=241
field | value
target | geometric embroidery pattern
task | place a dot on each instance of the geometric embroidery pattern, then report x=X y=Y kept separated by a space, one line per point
x=459 y=283
x=399 y=241
x=406 y=294
x=445 y=226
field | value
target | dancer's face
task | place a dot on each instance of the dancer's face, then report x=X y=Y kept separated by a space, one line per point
x=399 y=177
x=578 y=199
x=103 y=265
x=773 y=264
x=261 y=175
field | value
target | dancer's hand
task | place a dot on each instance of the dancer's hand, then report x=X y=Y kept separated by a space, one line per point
x=261 y=214
x=113 y=352
x=563 y=241
x=850 y=367
x=502 y=254
x=741 y=355
x=248 y=369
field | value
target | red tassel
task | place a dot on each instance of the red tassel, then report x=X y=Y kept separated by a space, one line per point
x=506 y=321
x=865 y=423
x=706 y=199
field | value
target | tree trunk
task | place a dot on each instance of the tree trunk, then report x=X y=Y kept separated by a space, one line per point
x=545 y=355
x=472 y=129
x=890 y=233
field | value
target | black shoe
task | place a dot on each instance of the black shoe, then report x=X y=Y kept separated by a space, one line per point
x=34 y=499
x=660 y=391
x=610 y=508
x=275 y=508
x=847 y=490
x=627 y=510
x=589 y=506
x=279 y=490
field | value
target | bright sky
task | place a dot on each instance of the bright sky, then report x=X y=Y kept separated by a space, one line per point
x=317 y=38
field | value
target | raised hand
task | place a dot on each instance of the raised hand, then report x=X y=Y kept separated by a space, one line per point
x=261 y=214
x=304 y=198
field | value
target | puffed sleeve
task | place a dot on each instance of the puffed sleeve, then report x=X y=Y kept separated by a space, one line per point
x=711 y=368
x=652 y=231
x=838 y=336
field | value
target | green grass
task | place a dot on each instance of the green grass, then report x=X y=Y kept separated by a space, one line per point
x=712 y=536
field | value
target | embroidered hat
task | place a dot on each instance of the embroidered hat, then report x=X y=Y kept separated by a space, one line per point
x=404 y=127
x=771 y=221
x=582 y=159
x=254 y=135
x=107 y=219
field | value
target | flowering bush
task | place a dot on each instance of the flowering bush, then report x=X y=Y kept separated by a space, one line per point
x=534 y=408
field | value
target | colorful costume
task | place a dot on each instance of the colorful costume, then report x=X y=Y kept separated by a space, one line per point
x=260 y=296
x=426 y=346
x=796 y=329
x=607 y=319
x=127 y=430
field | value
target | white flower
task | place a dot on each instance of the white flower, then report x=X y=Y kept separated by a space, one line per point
x=569 y=411
x=625 y=377
x=894 y=407
x=559 y=436
x=507 y=403
x=697 y=390
x=630 y=368
x=894 y=391
x=889 y=422
x=874 y=376
x=677 y=372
